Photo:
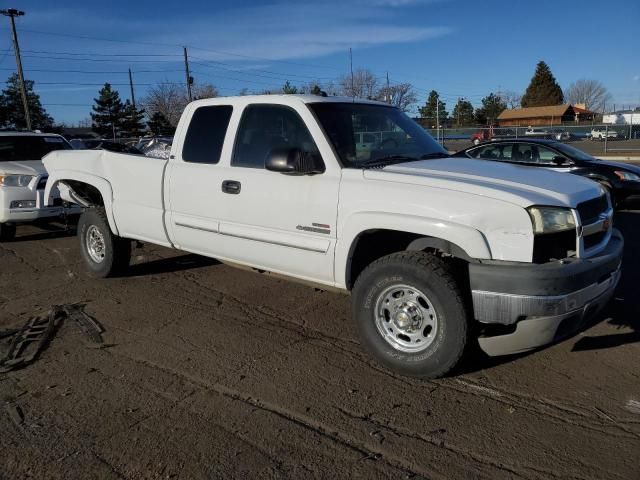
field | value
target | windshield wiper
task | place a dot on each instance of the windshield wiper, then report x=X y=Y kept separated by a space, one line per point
x=427 y=156
x=388 y=160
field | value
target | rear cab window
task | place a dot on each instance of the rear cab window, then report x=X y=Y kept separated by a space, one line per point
x=205 y=134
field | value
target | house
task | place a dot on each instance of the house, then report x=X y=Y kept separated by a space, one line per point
x=548 y=115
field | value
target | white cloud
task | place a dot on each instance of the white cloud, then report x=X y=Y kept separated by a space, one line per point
x=278 y=31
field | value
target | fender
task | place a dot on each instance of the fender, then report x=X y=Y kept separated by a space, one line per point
x=103 y=186
x=469 y=240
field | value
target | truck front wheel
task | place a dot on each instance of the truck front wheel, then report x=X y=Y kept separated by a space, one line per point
x=410 y=314
x=104 y=253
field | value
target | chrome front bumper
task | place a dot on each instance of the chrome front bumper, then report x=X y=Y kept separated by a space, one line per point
x=534 y=332
x=507 y=308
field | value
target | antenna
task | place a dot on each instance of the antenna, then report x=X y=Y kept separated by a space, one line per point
x=353 y=93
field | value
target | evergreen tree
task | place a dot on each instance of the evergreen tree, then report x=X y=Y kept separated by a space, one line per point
x=428 y=112
x=159 y=125
x=315 y=90
x=288 y=88
x=12 y=109
x=107 y=113
x=492 y=106
x=462 y=113
x=132 y=124
x=543 y=89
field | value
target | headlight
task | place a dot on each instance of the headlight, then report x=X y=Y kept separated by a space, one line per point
x=622 y=175
x=15 y=180
x=551 y=219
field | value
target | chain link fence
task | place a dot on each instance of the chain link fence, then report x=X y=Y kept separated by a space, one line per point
x=595 y=139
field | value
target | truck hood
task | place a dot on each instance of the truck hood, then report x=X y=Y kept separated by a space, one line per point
x=30 y=167
x=520 y=185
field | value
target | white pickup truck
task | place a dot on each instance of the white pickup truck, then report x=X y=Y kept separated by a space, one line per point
x=437 y=252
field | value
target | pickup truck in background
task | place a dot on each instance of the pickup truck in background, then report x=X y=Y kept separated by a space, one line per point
x=437 y=252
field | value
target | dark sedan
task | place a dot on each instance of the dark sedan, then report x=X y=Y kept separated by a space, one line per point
x=621 y=180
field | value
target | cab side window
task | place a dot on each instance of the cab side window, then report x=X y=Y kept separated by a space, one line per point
x=546 y=155
x=493 y=152
x=267 y=127
x=205 y=135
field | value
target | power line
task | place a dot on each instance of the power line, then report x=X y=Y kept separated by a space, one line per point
x=45 y=70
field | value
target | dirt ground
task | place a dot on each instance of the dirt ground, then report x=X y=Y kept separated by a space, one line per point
x=213 y=372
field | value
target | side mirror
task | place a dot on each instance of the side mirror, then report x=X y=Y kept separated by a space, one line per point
x=292 y=161
x=557 y=160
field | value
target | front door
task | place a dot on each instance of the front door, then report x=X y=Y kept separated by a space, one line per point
x=279 y=222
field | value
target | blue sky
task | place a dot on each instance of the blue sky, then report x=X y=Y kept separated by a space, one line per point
x=460 y=48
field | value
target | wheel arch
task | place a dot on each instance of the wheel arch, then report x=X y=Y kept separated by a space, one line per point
x=71 y=183
x=413 y=234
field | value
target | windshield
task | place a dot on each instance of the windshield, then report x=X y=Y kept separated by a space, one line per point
x=362 y=134
x=573 y=152
x=20 y=148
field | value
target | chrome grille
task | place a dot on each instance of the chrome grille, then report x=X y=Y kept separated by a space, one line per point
x=595 y=225
x=590 y=210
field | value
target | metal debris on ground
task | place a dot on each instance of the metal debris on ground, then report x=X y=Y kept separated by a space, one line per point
x=15 y=413
x=28 y=341
x=89 y=325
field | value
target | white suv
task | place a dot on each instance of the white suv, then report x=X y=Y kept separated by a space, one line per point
x=23 y=179
x=602 y=133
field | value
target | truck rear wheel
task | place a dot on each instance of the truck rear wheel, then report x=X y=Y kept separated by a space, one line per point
x=7 y=232
x=104 y=253
x=410 y=314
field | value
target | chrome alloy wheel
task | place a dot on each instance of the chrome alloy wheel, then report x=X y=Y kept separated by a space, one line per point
x=94 y=241
x=406 y=318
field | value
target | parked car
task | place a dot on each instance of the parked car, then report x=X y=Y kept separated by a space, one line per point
x=433 y=249
x=559 y=134
x=23 y=179
x=621 y=180
x=602 y=133
x=537 y=132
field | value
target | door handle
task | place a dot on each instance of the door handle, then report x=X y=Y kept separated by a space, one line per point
x=231 y=186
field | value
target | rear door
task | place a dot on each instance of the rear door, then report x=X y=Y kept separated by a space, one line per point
x=192 y=184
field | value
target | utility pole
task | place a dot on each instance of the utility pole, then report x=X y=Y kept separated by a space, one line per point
x=438 y=118
x=12 y=13
x=189 y=78
x=133 y=97
x=353 y=93
x=388 y=90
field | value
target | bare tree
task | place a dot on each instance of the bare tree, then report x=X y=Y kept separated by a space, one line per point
x=511 y=98
x=167 y=98
x=205 y=90
x=592 y=93
x=363 y=85
x=400 y=95
x=170 y=98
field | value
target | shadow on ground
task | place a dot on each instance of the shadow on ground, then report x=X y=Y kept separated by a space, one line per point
x=167 y=265
x=624 y=310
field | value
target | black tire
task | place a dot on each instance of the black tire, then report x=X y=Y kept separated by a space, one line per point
x=7 y=232
x=116 y=251
x=431 y=276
